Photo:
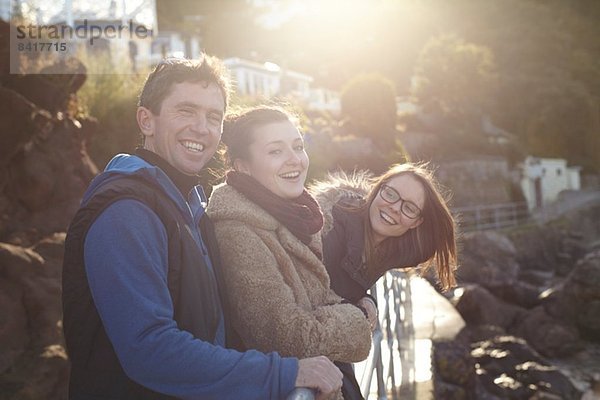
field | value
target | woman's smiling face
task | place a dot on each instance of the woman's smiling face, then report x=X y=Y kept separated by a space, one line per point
x=387 y=219
x=277 y=159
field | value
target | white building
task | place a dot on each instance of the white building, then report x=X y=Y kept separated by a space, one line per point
x=254 y=79
x=267 y=80
x=174 y=44
x=324 y=100
x=543 y=179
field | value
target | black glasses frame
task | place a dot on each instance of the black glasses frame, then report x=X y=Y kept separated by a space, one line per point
x=402 y=201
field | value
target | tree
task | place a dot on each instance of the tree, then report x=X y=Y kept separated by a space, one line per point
x=454 y=78
x=548 y=76
x=368 y=110
x=368 y=103
x=565 y=124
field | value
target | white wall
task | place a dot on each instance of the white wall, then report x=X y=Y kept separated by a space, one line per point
x=574 y=178
x=554 y=177
x=254 y=79
x=251 y=81
x=324 y=100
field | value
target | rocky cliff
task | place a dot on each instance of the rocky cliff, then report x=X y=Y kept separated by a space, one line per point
x=44 y=170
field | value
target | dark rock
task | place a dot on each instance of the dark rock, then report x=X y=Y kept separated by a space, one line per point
x=448 y=391
x=559 y=305
x=574 y=246
x=536 y=277
x=550 y=336
x=545 y=396
x=503 y=385
x=577 y=300
x=53 y=88
x=548 y=380
x=480 y=392
x=453 y=363
x=537 y=248
x=519 y=293
x=478 y=306
x=33 y=361
x=44 y=172
x=507 y=367
x=487 y=258
x=13 y=324
x=479 y=333
x=21 y=120
x=51 y=247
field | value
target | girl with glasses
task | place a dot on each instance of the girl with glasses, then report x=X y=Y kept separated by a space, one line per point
x=372 y=225
x=397 y=220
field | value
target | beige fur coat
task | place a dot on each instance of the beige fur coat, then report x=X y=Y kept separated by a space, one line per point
x=278 y=288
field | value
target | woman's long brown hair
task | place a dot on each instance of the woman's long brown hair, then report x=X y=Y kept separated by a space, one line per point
x=432 y=242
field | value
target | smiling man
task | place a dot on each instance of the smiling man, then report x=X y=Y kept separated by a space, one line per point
x=143 y=317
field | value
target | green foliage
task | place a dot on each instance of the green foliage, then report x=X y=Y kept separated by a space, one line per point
x=548 y=73
x=532 y=66
x=368 y=137
x=369 y=107
x=454 y=77
x=112 y=99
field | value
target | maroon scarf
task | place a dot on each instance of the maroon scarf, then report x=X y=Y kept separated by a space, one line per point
x=302 y=216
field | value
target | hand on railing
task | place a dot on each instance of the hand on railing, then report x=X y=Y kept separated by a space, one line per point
x=317 y=375
x=302 y=394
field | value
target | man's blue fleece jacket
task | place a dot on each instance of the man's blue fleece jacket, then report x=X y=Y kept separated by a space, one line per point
x=126 y=265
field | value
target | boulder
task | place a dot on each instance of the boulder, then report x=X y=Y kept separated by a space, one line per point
x=538 y=247
x=478 y=306
x=536 y=278
x=577 y=300
x=479 y=333
x=45 y=182
x=549 y=336
x=519 y=293
x=33 y=362
x=507 y=367
x=44 y=170
x=488 y=259
x=453 y=363
x=448 y=391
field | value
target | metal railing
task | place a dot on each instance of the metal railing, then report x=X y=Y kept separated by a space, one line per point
x=491 y=216
x=503 y=215
x=302 y=394
x=394 y=335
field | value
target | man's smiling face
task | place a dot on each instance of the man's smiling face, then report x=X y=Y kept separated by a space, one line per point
x=187 y=130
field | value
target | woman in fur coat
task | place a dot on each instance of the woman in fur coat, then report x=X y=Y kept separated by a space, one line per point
x=276 y=286
x=372 y=225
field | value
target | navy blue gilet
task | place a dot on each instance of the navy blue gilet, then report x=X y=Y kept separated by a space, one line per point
x=95 y=369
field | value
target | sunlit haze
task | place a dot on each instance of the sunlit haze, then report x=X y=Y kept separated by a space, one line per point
x=45 y=12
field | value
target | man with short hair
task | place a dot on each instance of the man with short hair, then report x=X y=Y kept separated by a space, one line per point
x=142 y=314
